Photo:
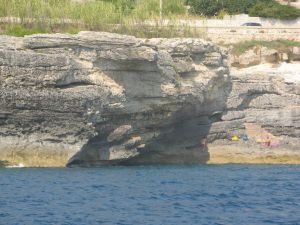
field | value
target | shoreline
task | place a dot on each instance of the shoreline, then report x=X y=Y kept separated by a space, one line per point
x=220 y=154
x=237 y=153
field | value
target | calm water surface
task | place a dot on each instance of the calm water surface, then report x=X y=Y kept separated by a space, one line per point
x=231 y=194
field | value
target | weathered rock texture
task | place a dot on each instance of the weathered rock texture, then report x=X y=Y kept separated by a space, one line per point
x=105 y=99
x=99 y=98
x=262 y=102
x=260 y=55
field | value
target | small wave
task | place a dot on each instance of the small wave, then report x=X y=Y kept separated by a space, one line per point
x=20 y=165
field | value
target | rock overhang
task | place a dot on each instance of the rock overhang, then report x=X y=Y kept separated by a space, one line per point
x=77 y=91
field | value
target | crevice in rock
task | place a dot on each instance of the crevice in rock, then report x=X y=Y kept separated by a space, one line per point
x=249 y=97
x=73 y=84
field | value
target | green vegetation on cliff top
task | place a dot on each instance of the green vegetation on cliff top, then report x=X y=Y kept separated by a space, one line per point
x=125 y=16
x=262 y=8
x=120 y=16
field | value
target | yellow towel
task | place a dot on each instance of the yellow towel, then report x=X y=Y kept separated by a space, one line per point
x=234 y=138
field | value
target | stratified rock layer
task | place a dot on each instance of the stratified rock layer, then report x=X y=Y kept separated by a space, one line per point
x=98 y=98
x=264 y=103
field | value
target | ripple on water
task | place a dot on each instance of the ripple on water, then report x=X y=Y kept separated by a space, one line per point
x=229 y=194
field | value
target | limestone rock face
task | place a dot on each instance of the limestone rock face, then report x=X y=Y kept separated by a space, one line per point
x=269 y=55
x=260 y=55
x=249 y=58
x=267 y=100
x=99 y=98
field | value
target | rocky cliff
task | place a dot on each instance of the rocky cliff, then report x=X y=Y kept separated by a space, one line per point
x=263 y=100
x=98 y=98
x=104 y=99
x=264 y=109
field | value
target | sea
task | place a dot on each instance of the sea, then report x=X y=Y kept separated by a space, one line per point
x=160 y=195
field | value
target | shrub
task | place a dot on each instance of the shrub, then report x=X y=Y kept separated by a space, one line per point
x=212 y=7
x=205 y=7
x=274 y=10
x=262 y=8
x=238 y=6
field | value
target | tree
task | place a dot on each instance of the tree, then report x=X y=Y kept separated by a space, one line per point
x=205 y=7
x=274 y=10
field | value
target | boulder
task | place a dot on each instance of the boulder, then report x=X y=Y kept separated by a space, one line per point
x=269 y=55
x=249 y=58
x=295 y=53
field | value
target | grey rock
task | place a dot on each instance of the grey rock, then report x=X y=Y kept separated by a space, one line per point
x=97 y=99
x=249 y=58
x=119 y=133
x=255 y=56
x=269 y=55
x=109 y=98
x=264 y=98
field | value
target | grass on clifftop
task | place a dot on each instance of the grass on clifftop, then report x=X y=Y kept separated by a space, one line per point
x=281 y=45
x=25 y=17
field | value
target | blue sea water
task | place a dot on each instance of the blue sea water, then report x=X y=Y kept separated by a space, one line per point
x=225 y=194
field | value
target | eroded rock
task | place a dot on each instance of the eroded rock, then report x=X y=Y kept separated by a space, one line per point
x=268 y=98
x=295 y=53
x=109 y=98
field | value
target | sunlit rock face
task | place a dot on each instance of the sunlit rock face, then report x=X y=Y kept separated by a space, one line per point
x=264 y=101
x=106 y=99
